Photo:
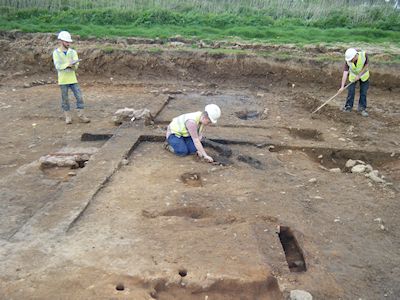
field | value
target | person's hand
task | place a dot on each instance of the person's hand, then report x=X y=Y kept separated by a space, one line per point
x=208 y=158
x=357 y=78
x=341 y=89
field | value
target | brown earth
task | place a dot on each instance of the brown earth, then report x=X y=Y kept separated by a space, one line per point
x=152 y=229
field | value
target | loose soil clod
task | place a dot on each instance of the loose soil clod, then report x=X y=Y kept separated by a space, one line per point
x=248 y=115
x=192 y=179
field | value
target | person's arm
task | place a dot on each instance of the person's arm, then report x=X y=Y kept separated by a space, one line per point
x=344 y=80
x=192 y=128
x=168 y=132
x=76 y=60
x=59 y=64
x=201 y=136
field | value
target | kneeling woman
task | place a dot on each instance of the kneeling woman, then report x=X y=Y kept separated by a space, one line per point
x=184 y=133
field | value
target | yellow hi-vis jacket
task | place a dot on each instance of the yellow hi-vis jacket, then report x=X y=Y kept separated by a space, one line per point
x=61 y=62
x=178 y=124
x=355 y=69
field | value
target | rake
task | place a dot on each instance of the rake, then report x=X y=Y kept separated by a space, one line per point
x=330 y=99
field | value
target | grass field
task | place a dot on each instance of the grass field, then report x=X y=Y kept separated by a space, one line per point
x=294 y=21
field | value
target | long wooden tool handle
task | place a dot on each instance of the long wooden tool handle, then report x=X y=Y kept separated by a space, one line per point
x=326 y=102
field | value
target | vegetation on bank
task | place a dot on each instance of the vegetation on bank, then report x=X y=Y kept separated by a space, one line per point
x=285 y=21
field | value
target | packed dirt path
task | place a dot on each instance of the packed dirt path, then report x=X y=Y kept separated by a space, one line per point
x=280 y=212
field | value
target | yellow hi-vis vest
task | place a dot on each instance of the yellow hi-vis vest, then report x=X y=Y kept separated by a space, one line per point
x=61 y=62
x=178 y=124
x=354 y=70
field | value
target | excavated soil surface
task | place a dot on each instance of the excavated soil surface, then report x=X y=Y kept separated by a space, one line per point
x=269 y=217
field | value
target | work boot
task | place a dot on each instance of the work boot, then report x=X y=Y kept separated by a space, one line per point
x=68 y=118
x=82 y=116
x=346 y=109
x=364 y=113
x=168 y=147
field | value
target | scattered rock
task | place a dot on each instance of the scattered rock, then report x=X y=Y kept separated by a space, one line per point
x=300 y=295
x=176 y=44
x=335 y=170
x=368 y=168
x=264 y=114
x=380 y=222
x=71 y=173
x=67 y=157
x=50 y=161
x=358 y=169
x=125 y=162
x=192 y=179
x=359 y=166
x=350 y=163
x=248 y=115
x=312 y=180
x=261 y=145
x=126 y=114
x=374 y=177
x=350 y=129
x=375 y=172
x=323 y=168
x=201 y=44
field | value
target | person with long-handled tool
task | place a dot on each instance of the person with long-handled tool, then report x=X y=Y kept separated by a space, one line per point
x=356 y=69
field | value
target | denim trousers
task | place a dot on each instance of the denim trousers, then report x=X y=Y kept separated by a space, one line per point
x=64 y=96
x=362 y=102
x=182 y=145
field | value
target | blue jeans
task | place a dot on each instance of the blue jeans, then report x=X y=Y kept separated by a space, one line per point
x=362 y=102
x=64 y=96
x=182 y=145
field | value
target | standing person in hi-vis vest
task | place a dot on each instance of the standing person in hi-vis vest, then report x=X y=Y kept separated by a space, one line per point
x=66 y=62
x=184 y=133
x=356 y=68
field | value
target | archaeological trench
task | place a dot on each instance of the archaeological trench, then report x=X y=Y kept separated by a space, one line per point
x=294 y=201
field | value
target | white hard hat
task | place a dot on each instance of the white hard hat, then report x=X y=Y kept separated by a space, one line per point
x=213 y=111
x=65 y=36
x=350 y=53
